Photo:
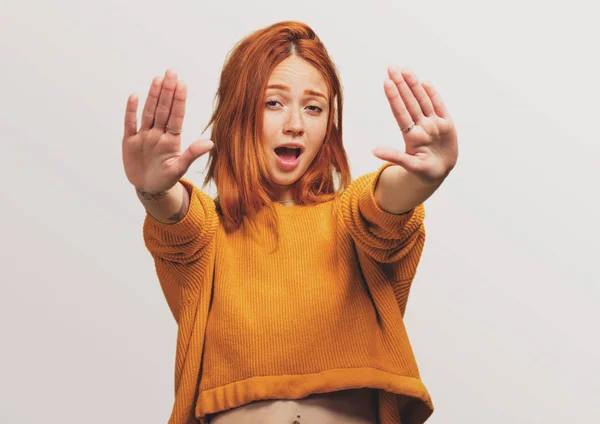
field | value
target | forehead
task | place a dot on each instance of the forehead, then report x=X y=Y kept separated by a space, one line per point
x=298 y=74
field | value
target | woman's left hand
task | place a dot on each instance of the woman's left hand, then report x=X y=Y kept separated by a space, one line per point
x=431 y=144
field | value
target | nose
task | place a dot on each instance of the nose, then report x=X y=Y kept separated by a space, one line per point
x=294 y=124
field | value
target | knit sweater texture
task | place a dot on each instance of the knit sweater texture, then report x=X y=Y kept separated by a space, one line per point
x=320 y=310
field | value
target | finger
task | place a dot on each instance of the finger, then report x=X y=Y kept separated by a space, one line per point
x=193 y=152
x=406 y=93
x=397 y=104
x=131 y=115
x=418 y=91
x=150 y=105
x=436 y=100
x=178 y=110
x=393 y=155
x=163 y=110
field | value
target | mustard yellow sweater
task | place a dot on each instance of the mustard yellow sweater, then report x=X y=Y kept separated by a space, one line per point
x=322 y=313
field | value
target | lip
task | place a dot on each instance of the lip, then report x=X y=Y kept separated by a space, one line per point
x=292 y=145
x=288 y=165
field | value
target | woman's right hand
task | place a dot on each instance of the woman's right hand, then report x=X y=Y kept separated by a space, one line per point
x=151 y=156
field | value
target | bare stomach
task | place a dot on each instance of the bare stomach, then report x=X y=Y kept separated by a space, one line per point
x=357 y=406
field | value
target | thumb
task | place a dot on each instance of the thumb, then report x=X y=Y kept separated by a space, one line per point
x=193 y=152
x=393 y=155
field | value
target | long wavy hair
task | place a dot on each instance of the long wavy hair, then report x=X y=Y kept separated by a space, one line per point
x=237 y=162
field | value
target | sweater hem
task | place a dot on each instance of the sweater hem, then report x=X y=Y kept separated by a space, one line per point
x=289 y=387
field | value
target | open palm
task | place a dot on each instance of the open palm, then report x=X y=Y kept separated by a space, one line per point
x=431 y=146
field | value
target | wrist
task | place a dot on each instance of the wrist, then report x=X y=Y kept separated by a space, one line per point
x=146 y=195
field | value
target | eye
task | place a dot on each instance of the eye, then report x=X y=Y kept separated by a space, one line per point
x=273 y=103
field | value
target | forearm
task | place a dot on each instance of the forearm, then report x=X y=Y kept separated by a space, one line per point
x=167 y=207
x=397 y=191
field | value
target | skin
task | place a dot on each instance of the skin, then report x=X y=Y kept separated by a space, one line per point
x=357 y=406
x=430 y=143
x=295 y=116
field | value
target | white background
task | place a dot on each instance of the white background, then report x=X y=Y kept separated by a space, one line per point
x=503 y=311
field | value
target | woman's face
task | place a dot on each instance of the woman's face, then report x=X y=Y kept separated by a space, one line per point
x=295 y=115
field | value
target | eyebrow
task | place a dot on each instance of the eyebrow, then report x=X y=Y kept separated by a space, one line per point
x=286 y=88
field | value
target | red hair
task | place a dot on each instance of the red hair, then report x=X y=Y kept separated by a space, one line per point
x=237 y=163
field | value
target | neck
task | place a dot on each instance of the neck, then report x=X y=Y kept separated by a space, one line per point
x=284 y=194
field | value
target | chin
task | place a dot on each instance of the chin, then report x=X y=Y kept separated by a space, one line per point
x=285 y=180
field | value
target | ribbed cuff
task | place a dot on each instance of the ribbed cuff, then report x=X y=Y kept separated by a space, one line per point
x=373 y=213
x=189 y=225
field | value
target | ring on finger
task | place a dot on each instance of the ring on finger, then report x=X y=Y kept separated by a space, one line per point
x=172 y=131
x=410 y=127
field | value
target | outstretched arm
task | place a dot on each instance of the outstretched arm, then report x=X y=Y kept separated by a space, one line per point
x=430 y=139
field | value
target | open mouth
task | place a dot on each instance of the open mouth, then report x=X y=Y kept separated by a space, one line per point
x=288 y=153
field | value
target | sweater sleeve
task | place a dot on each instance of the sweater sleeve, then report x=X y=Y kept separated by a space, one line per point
x=183 y=241
x=179 y=249
x=389 y=246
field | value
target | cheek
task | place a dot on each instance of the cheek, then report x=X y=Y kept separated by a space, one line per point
x=322 y=127
x=268 y=123
x=317 y=135
x=272 y=129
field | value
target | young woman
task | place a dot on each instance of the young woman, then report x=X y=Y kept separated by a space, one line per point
x=290 y=287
